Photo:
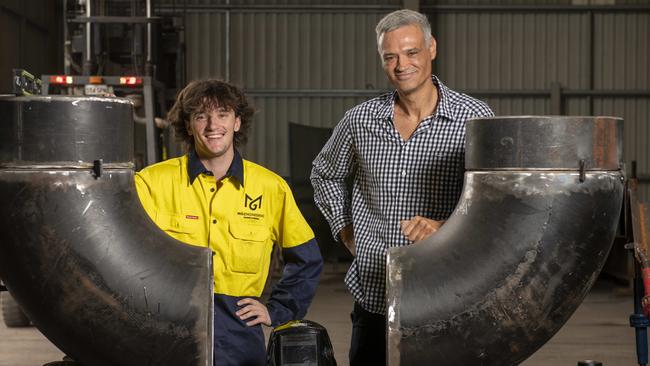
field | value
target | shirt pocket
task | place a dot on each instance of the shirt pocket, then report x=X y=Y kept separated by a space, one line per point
x=180 y=227
x=248 y=247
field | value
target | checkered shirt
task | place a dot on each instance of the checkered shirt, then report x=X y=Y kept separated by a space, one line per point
x=393 y=180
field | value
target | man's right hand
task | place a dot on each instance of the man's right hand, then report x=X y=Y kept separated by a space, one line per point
x=347 y=237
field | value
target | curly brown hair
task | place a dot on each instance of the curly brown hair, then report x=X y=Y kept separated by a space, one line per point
x=204 y=95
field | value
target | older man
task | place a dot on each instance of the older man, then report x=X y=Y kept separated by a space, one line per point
x=406 y=151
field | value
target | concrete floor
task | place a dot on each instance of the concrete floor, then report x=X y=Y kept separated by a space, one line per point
x=598 y=330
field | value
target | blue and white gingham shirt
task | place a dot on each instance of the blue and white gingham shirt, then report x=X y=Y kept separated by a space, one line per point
x=394 y=180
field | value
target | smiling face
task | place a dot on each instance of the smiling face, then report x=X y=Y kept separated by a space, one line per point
x=213 y=131
x=407 y=58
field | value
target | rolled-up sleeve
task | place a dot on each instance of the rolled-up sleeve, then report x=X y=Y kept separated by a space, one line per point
x=328 y=177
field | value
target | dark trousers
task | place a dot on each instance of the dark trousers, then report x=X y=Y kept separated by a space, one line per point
x=235 y=343
x=368 y=344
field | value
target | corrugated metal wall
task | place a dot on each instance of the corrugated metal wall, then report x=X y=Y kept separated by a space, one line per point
x=621 y=62
x=513 y=50
x=206 y=45
x=301 y=51
x=309 y=63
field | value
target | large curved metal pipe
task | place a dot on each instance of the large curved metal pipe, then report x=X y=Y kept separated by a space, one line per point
x=532 y=230
x=79 y=253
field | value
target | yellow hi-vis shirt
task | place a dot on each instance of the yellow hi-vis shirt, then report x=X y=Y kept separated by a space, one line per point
x=239 y=218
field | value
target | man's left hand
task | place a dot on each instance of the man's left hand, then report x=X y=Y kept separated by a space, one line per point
x=418 y=227
x=253 y=309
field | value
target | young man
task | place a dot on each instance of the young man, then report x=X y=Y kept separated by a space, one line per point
x=212 y=197
x=406 y=150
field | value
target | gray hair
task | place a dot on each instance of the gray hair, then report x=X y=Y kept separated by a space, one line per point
x=401 y=18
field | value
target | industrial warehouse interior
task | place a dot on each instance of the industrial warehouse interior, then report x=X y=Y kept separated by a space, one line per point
x=323 y=182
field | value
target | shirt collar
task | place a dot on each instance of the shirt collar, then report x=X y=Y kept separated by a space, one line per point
x=444 y=99
x=387 y=108
x=196 y=167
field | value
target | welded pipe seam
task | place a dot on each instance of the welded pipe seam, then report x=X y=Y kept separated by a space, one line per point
x=534 y=224
x=80 y=255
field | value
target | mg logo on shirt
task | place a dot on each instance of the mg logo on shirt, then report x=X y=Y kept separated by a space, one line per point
x=253 y=203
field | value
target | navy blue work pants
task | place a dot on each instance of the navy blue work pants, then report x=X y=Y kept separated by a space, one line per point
x=235 y=343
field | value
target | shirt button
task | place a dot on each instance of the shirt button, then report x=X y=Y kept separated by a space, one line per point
x=403 y=173
x=214 y=221
x=212 y=189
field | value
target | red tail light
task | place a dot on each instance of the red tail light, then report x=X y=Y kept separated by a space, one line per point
x=130 y=80
x=60 y=79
